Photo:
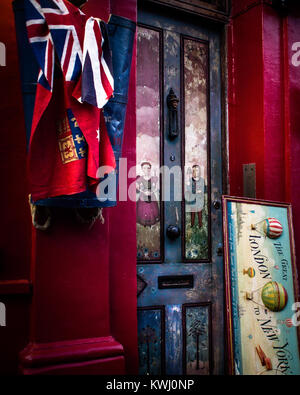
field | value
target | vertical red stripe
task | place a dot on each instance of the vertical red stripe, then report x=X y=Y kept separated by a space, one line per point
x=50 y=64
x=68 y=53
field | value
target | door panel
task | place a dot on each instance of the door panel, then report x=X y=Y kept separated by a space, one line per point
x=182 y=275
x=151 y=332
x=149 y=82
x=196 y=148
x=197 y=339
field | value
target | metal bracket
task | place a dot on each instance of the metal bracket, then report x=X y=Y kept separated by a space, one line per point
x=249 y=180
x=172 y=102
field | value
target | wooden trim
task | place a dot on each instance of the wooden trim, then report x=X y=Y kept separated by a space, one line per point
x=199 y=8
x=228 y=296
x=44 y=354
x=99 y=367
x=15 y=287
x=255 y=3
x=256 y=201
x=225 y=111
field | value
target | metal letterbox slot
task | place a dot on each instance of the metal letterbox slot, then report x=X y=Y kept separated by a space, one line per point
x=170 y=282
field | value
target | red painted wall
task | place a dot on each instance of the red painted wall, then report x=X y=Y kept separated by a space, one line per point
x=274 y=132
x=123 y=229
x=15 y=233
x=293 y=122
x=246 y=140
x=263 y=97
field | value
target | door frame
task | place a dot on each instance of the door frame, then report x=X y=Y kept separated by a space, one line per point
x=197 y=7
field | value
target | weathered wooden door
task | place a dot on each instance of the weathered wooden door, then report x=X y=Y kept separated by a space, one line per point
x=179 y=241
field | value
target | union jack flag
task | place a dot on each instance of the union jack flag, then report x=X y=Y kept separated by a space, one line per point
x=57 y=28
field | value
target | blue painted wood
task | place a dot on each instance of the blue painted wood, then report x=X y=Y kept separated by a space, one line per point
x=208 y=276
x=197 y=340
x=173 y=339
x=150 y=340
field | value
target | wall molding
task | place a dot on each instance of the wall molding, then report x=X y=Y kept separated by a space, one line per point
x=218 y=12
x=16 y=287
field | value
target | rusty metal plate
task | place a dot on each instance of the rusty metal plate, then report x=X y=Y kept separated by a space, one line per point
x=249 y=180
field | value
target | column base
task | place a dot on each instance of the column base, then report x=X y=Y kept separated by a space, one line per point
x=98 y=356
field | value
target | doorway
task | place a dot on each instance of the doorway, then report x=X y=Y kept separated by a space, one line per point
x=179 y=188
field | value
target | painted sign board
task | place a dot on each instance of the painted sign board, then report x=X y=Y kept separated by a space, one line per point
x=261 y=287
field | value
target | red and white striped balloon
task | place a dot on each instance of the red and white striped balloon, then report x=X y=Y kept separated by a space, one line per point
x=273 y=228
x=289 y=322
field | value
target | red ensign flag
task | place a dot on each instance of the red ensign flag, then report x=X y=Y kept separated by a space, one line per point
x=68 y=142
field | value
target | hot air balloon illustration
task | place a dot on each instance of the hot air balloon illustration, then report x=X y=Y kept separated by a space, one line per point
x=289 y=322
x=250 y=271
x=273 y=295
x=269 y=227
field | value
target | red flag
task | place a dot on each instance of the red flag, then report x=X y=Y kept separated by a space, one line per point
x=68 y=144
